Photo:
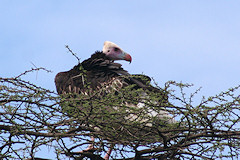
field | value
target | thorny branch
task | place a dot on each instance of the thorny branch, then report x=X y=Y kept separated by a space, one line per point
x=32 y=70
x=32 y=116
x=74 y=54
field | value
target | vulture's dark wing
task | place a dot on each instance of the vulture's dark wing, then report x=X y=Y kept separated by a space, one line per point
x=97 y=71
x=94 y=72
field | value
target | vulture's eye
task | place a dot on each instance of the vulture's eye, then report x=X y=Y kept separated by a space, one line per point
x=116 y=49
x=108 y=50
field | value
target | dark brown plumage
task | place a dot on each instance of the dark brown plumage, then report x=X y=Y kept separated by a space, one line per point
x=96 y=71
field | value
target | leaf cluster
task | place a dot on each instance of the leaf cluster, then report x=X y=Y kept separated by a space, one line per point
x=32 y=117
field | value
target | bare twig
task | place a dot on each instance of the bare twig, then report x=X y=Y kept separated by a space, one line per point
x=32 y=70
x=74 y=54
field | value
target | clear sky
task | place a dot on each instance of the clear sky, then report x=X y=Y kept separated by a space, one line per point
x=193 y=41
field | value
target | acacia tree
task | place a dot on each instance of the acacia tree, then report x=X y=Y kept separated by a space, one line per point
x=32 y=116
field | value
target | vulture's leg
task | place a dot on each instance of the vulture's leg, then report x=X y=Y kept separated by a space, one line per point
x=106 y=157
x=90 y=146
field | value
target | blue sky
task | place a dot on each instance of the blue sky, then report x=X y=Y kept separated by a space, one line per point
x=190 y=41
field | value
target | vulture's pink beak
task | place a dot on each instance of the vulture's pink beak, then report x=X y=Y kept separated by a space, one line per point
x=128 y=57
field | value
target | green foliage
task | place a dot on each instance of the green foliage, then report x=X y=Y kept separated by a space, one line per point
x=32 y=117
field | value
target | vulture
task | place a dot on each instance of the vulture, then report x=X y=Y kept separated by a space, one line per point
x=100 y=75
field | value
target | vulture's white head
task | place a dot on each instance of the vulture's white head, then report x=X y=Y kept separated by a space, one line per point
x=114 y=52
